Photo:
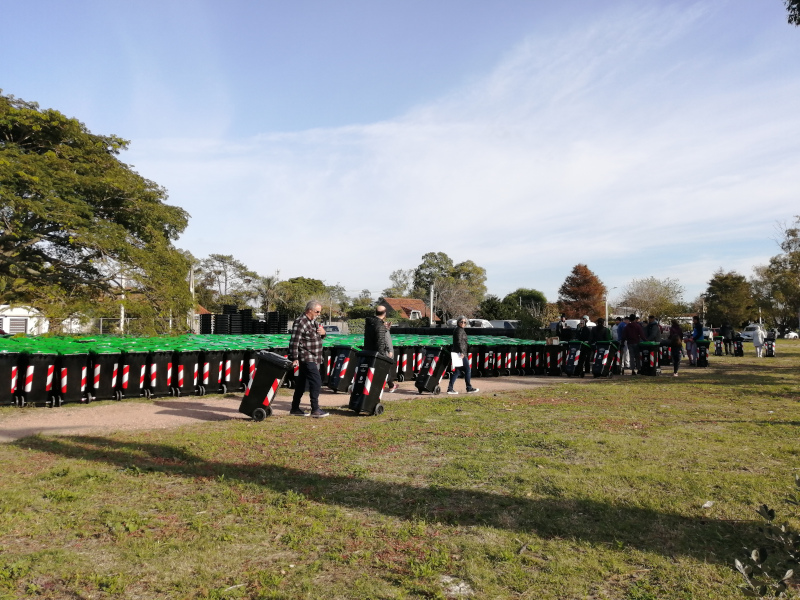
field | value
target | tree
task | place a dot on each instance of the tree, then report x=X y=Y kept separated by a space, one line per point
x=228 y=279
x=525 y=298
x=776 y=286
x=582 y=293
x=74 y=218
x=729 y=298
x=453 y=297
x=267 y=292
x=434 y=265
x=293 y=294
x=402 y=283
x=650 y=296
x=793 y=8
x=491 y=308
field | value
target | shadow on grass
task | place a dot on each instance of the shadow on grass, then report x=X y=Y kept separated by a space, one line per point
x=610 y=524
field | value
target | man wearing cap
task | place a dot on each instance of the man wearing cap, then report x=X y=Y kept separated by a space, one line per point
x=461 y=347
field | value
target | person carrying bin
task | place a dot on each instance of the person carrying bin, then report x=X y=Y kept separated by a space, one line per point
x=377 y=339
x=305 y=352
x=460 y=357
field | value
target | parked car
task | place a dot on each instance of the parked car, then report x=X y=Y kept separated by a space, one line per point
x=483 y=323
x=504 y=324
x=791 y=335
x=331 y=329
x=747 y=332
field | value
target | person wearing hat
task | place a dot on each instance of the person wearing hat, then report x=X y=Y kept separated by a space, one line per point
x=461 y=347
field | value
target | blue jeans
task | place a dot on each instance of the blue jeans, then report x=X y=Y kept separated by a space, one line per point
x=308 y=375
x=467 y=374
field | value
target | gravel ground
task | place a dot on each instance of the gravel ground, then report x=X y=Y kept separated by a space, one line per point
x=163 y=413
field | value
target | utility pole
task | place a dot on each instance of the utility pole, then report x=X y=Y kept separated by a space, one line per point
x=432 y=319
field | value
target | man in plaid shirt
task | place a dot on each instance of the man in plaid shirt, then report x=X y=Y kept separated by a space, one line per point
x=305 y=352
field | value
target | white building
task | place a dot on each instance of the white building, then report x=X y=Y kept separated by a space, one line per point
x=22 y=319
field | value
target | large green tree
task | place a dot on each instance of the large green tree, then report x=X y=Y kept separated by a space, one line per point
x=776 y=286
x=458 y=288
x=79 y=225
x=293 y=294
x=582 y=293
x=729 y=297
x=228 y=280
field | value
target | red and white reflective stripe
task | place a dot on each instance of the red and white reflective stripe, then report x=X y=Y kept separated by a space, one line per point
x=141 y=376
x=114 y=375
x=419 y=361
x=559 y=360
x=486 y=358
x=537 y=359
x=125 y=374
x=249 y=384
x=344 y=367
x=368 y=382
x=271 y=392
x=252 y=368
x=241 y=369
x=63 y=380
x=96 y=376
x=548 y=360
x=194 y=379
x=180 y=376
x=404 y=362
x=154 y=374
x=524 y=360
x=227 y=370
x=29 y=378
x=577 y=357
x=328 y=367
x=206 y=368
x=605 y=356
x=49 y=385
x=219 y=373
x=13 y=379
x=434 y=362
x=508 y=360
x=83 y=378
x=383 y=387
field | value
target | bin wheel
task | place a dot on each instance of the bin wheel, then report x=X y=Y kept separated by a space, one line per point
x=350 y=389
x=223 y=389
x=438 y=390
x=401 y=377
x=147 y=393
x=171 y=391
x=57 y=401
x=117 y=395
x=378 y=409
x=506 y=372
x=420 y=391
x=22 y=402
x=260 y=414
x=49 y=403
x=202 y=390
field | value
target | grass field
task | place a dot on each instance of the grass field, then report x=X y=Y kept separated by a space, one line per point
x=572 y=491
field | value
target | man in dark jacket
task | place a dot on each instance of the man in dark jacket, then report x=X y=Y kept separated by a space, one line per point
x=461 y=347
x=653 y=330
x=376 y=339
x=726 y=331
x=584 y=331
x=634 y=334
x=601 y=333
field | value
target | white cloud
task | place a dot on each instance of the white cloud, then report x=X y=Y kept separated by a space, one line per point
x=599 y=144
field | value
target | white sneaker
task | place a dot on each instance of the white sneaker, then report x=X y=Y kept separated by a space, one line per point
x=452 y=392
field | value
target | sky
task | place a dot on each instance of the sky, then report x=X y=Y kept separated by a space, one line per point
x=344 y=140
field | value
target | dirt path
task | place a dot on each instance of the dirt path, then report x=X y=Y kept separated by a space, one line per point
x=164 y=413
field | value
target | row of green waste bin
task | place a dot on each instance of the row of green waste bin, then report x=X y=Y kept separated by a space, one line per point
x=51 y=371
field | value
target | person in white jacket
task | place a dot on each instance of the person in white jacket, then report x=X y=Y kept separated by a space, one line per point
x=758 y=340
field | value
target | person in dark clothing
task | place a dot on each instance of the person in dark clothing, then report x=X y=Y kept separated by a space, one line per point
x=461 y=347
x=584 y=332
x=675 y=345
x=601 y=333
x=697 y=334
x=653 y=330
x=563 y=330
x=634 y=334
x=726 y=331
x=376 y=339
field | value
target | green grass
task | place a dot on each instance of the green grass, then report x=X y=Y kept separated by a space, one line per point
x=571 y=491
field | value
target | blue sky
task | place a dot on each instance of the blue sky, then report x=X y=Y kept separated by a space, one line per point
x=343 y=140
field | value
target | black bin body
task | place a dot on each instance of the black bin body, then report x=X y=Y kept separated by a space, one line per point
x=553 y=359
x=9 y=377
x=185 y=373
x=702 y=352
x=133 y=374
x=233 y=371
x=769 y=348
x=738 y=346
x=38 y=378
x=404 y=356
x=650 y=352
x=666 y=354
x=73 y=373
x=537 y=359
x=604 y=357
x=159 y=373
x=431 y=371
x=343 y=367
x=578 y=354
x=106 y=375
x=370 y=379
x=211 y=366
x=270 y=372
x=718 y=346
x=484 y=360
